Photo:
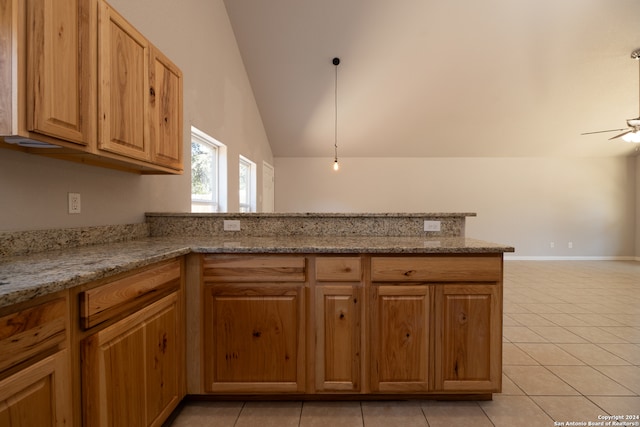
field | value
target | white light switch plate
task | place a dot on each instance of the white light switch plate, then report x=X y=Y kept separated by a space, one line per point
x=432 y=226
x=231 y=225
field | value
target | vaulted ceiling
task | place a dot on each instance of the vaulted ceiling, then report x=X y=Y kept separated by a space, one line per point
x=442 y=78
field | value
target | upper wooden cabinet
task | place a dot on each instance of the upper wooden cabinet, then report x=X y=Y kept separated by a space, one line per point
x=78 y=82
x=165 y=111
x=47 y=77
x=123 y=89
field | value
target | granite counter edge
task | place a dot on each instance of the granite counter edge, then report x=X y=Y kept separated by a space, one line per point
x=17 y=293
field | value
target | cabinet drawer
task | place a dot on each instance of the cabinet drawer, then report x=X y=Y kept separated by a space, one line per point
x=338 y=269
x=101 y=303
x=32 y=331
x=247 y=268
x=481 y=268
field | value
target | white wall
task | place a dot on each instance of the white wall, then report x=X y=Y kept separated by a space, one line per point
x=218 y=99
x=525 y=202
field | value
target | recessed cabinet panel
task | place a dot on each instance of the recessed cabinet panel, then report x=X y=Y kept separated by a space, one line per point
x=165 y=109
x=399 y=331
x=39 y=395
x=123 y=87
x=469 y=338
x=132 y=370
x=59 y=74
x=254 y=338
x=338 y=352
x=8 y=67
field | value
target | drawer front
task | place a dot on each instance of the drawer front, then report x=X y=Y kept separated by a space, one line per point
x=248 y=268
x=32 y=331
x=481 y=268
x=101 y=303
x=338 y=269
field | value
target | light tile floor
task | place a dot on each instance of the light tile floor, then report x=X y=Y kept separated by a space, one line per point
x=571 y=354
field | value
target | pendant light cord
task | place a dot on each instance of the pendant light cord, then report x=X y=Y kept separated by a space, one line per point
x=336 y=61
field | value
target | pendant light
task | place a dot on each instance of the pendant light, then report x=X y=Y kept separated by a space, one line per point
x=336 y=166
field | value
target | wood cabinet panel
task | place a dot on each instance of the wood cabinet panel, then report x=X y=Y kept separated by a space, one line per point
x=133 y=370
x=116 y=297
x=76 y=76
x=375 y=324
x=254 y=338
x=250 y=268
x=437 y=268
x=399 y=333
x=38 y=395
x=8 y=67
x=32 y=331
x=165 y=110
x=469 y=337
x=60 y=76
x=338 y=337
x=338 y=269
x=123 y=87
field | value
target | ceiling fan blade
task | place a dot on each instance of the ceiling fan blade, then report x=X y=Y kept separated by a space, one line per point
x=622 y=134
x=602 y=131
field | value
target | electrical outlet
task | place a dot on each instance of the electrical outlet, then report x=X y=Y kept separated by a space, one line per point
x=231 y=225
x=552 y=245
x=74 y=203
x=432 y=226
x=570 y=245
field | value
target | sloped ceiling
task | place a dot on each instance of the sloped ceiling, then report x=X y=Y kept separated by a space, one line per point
x=442 y=78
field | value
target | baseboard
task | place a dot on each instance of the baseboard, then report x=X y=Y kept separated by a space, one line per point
x=508 y=257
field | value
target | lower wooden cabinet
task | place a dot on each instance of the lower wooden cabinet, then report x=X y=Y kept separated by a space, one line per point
x=38 y=395
x=254 y=338
x=337 y=333
x=469 y=337
x=35 y=383
x=428 y=325
x=399 y=336
x=132 y=370
x=254 y=324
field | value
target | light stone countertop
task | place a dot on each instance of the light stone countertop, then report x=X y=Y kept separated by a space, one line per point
x=28 y=276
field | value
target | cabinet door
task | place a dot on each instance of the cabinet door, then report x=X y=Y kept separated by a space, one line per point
x=253 y=338
x=469 y=337
x=338 y=314
x=165 y=108
x=133 y=369
x=123 y=87
x=60 y=76
x=39 y=395
x=399 y=331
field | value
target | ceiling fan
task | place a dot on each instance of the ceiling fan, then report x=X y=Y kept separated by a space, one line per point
x=632 y=132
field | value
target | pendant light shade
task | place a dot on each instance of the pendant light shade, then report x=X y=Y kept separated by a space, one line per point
x=336 y=166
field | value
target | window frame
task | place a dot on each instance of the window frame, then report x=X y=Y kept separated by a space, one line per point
x=217 y=173
x=249 y=202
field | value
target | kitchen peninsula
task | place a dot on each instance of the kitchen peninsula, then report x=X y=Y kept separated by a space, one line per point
x=299 y=305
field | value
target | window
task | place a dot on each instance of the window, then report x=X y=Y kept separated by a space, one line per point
x=247 y=185
x=208 y=173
